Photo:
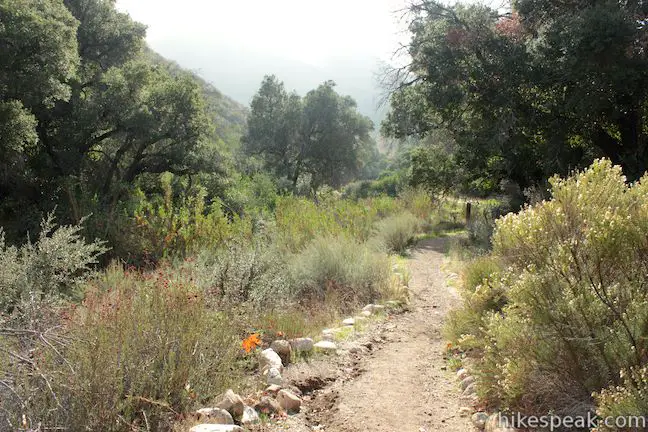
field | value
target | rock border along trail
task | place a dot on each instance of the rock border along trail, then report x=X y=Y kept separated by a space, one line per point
x=393 y=377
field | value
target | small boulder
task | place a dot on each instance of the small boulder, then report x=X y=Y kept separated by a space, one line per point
x=378 y=308
x=465 y=411
x=273 y=389
x=302 y=344
x=268 y=405
x=217 y=415
x=273 y=377
x=365 y=313
x=326 y=346
x=497 y=423
x=283 y=348
x=467 y=381
x=348 y=322
x=470 y=390
x=288 y=401
x=232 y=403
x=249 y=416
x=270 y=359
x=479 y=419
x=369 y=308
x=216 y=428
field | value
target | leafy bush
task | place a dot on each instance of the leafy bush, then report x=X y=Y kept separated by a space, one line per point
x=55 y=265
x=418 y=202
x=626 y=400
x=483 y=294
x=396 y=233
x=299 y=220
x=181 y=224
x=577 y=308
x=340 y=268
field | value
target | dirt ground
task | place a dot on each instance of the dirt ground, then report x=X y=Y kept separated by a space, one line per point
x=392 y=378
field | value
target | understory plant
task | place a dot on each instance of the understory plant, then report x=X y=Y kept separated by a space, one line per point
x=575 y=317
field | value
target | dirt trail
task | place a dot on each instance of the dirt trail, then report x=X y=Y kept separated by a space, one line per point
x=402 y=384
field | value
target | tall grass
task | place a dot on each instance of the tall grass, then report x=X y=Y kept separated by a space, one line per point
x=140 y=350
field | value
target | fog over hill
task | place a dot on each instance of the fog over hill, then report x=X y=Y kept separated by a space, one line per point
x=239 y=73
x=302 y=43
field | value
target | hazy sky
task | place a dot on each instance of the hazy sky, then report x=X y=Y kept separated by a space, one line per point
x=309 y=31
x=234 y=43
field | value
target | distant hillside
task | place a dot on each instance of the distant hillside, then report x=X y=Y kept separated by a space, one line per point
x=228 y=116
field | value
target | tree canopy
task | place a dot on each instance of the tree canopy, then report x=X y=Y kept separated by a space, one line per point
x=86 y=110
x=541 y=89
x=321 y=135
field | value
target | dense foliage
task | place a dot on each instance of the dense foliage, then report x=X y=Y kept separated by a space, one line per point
x=321 y=136
x=538 y=90
x=558 y=313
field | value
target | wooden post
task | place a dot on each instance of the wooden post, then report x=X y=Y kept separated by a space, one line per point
x=468 y=212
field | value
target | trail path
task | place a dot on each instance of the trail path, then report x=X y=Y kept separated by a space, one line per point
x=402 y=384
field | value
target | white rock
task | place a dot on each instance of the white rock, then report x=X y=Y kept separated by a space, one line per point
x=273 y=377
x=368 y=308
x=348 y=322
x=216 y=428
x=270 y=359
x=232 y=403
x=365 y=313
x=217 y=415
x=250 y=416
x=479 y=419
x=289 y=401
x=328 y=337
x=302 y=344
x=462 y=374
x=326 y=346
x=378 y=308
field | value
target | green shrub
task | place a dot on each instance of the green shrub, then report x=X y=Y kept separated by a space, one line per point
x=298 y=220
x=418 y=202
x=577 y=307
x=483 y=294
x=626 y=400
x=396 y=233
x=342 y=268
x=167 y=225
x=55 y=265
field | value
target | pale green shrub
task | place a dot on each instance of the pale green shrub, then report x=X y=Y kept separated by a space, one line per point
x=251 y=274
x=577 y=304
x=483 y=293
x=54 y=266
x=340 y=267
x=396 y=233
